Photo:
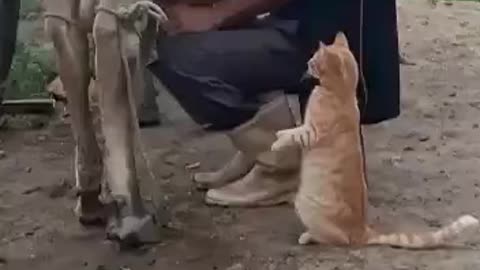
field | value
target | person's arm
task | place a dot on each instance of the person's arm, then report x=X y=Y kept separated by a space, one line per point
x=225 y=13
x=235 y=12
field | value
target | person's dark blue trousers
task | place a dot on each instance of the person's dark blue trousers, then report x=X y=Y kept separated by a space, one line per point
x=218 y=76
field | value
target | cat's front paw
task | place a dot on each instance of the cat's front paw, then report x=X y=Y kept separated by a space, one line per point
x=302 y=136
x=277 y=145
x=306 y=137
x=284 y=139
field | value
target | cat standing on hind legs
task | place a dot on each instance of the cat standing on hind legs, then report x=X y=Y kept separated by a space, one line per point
x=332 y=199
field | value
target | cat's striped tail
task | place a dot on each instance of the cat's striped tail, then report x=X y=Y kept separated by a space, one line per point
x=433 y=239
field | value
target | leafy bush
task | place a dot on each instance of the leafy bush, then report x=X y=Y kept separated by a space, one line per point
x=30 y=73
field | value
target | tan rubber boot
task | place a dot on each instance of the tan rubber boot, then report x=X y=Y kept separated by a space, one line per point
x=274 y=177
x=235 y=169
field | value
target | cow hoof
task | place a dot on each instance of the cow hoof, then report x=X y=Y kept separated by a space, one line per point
x=132 y=231
x=89 y=210
x=92 y=221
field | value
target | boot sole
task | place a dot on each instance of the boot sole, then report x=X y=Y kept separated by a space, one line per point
x=285 y=198
x=202 y=186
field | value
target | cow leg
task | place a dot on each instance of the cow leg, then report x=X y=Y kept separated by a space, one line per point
x=71 y=49
x=131 y=224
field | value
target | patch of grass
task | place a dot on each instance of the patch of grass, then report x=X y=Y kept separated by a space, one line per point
x=29 y=73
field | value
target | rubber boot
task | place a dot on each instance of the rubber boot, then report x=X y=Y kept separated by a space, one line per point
x=235 y=169
x=274 y=177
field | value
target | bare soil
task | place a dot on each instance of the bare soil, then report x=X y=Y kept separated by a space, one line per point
x=422 y=173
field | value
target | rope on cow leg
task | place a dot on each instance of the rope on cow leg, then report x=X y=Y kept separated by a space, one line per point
x=139 y=11
x=140 y=7
x=364 y=88
x=136 y=10
x=60 y=17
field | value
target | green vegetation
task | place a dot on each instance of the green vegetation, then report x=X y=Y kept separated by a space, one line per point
x=29 y=73
x=32 y=66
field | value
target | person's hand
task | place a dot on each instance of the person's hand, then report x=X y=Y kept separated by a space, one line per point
x=185 y=18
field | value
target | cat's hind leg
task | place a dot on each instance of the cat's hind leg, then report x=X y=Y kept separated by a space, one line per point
x=306 y=238
x=328 y=235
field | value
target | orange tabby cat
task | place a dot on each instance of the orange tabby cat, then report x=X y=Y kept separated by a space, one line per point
x=332 y=198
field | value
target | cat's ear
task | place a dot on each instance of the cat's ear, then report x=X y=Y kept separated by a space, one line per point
x=341 y=40
x=321 y=48
x=321 y=45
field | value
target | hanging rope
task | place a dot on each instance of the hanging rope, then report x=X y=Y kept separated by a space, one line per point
x=137 y=11
x=364 y=89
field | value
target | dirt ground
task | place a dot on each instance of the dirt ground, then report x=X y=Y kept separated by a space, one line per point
x=422 y=173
